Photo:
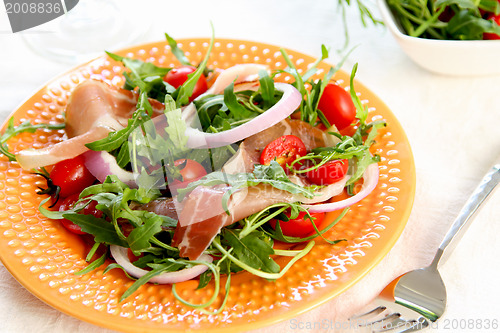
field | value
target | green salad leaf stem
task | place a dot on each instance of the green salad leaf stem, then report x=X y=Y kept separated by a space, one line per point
x=25 y=127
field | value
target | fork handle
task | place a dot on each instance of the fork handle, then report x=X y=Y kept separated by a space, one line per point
x=462 y=221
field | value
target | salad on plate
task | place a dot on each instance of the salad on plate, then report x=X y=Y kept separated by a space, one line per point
x=198 y=172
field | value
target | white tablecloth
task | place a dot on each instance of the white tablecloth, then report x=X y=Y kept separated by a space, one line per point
x=452 y=124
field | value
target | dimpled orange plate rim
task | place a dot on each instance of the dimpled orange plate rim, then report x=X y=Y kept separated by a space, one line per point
x=43 y=256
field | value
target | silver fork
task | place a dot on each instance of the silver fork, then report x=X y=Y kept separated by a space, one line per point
x=422 y=291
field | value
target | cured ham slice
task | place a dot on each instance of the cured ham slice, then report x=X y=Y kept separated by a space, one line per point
x=94 y=110
x=95 y=104
x=160 y=206
x=69 y=148
x=201 y=214
x=237 y=74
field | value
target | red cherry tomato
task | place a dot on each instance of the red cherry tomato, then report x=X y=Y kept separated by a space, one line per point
x=489 y=35
x=177 y=76
x=132 y=257
x=284 y=150
x=190 y=172
x=71 y=176
x=329 y=173
x=447 y=14
x=337 y=106
x=88 y=210
x=300 y=226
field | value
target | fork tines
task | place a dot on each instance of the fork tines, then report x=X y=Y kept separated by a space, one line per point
x=381 y=319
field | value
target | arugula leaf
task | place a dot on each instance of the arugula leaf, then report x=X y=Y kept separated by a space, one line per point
x=310 y=97
x=204 y=279
x=464 y=4
x=111 y=184
x=142 y=74
x=123 y=156
x=272 y=276
x=115 y=265
x=267 y=89
x=113 y=198
x=313 y=69
x=465 y=26
x=167 y=267
x=272 y=171
x=103 y=231
x=238 y=111
x=223 y=112
x=149 y=148
x=348 y=148
x=116 y=139
x=361 y=111
x=176 y=131
x=492 y=6
x=363 y=162
x=57 y=215
x=25 y=127
x=254 y=249
x=185 y=91
x=369 y=131
x=177 y=51
x=292 y=70
x=94 y=265
x=143 y=261
x=139 y=238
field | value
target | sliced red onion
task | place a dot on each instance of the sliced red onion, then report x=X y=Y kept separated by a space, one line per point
x=102 y=164
x=121 y=257
x=370 y=180
x=288 y=103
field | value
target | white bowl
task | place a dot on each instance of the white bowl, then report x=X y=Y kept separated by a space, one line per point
x=450 y=57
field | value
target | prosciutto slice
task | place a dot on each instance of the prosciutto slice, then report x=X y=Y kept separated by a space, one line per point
x=242 y=75
x=201 y=214
x=94 y=110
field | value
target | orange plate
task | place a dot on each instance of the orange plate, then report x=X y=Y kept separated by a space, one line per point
x=43 y=257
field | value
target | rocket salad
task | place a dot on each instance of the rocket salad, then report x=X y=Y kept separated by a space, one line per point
x=448 y=19
x=195 y=172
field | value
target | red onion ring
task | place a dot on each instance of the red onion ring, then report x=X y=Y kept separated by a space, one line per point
x=288 y=103
x=102 y=164
x=370 y=178
x=120 y=255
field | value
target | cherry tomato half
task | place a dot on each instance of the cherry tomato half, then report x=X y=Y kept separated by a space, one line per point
x=72 y=176
x=337 y=106
x=492 y=36
x=90 y=209
x=177 y=76
x=284 y=150
x=329 y=173
x=300 y=226
x=190 y=172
